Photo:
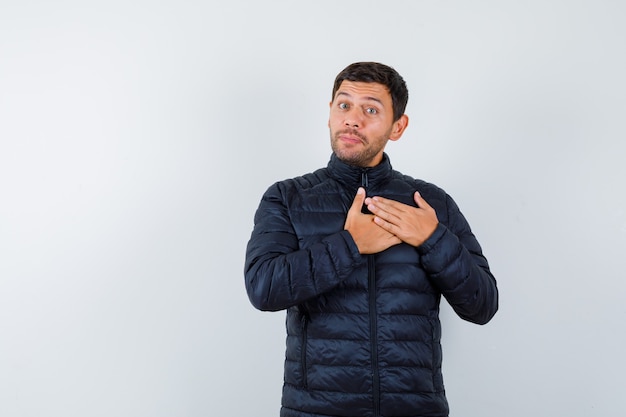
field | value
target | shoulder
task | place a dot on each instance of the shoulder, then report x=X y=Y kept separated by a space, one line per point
x=296 y=185
x=425 y=188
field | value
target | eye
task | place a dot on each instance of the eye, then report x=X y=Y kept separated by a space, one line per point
x=371 y=110
x=343 y=106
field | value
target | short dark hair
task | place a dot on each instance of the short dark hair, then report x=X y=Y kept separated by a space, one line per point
x=374 y=72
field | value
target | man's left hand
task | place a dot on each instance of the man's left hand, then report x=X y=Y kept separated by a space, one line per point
x=412 y=225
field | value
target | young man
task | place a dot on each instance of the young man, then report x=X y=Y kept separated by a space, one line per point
x=359 y=256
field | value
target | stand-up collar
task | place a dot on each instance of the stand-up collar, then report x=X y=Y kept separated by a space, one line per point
x=353 y=176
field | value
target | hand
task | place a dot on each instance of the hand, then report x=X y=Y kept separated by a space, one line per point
x=412 y=225
x=368 y=236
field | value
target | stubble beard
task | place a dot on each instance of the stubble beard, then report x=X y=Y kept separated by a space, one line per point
x=357 y=157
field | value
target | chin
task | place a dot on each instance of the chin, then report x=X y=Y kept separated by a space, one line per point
x=351 y=159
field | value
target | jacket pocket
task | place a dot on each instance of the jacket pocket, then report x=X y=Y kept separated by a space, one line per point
x=303 y=348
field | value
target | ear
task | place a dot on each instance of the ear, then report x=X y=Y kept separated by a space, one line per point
x=330 y=106
x=397 y=129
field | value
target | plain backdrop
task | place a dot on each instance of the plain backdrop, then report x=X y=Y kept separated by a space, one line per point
x=136 y=140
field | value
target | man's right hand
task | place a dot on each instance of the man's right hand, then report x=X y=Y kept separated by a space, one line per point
x=368 y=236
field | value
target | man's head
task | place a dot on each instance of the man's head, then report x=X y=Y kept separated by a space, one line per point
x=373 y=72
x=366 y=111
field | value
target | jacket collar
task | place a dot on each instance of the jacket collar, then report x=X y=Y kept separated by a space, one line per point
x=354 y=176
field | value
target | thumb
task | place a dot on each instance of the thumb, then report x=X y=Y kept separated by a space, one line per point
x=358 y=200
x=421 y=203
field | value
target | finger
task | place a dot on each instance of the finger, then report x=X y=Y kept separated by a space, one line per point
x=357 y=203
x=387 y=209
x=388 y=226
x=421 y=203
x=388 y=204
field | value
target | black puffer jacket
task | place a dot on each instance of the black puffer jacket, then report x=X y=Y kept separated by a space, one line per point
x=363 y=331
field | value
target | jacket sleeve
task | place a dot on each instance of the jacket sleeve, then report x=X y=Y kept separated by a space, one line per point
x=278 y=273
x=453 y=259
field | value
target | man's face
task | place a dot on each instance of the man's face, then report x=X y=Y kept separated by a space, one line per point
x=361 y=123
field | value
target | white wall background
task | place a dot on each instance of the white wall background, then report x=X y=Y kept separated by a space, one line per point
x=136 y=139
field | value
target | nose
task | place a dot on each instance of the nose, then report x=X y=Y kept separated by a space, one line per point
x=352 y=119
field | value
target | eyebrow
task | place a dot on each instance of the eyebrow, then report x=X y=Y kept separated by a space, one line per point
x=369 y=98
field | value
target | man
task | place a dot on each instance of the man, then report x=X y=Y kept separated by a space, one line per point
x=359 y=256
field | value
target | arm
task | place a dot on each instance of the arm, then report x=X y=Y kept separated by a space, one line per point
x=456 y=266
x=450 y=254
x=278 y=274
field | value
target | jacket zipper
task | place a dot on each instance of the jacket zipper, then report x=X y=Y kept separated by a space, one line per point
x=371 y=272
x=364 y=179
x=305 y=323
x=371 y=280
x=364 y=184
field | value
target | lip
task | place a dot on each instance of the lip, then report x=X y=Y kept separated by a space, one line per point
x=346 y=137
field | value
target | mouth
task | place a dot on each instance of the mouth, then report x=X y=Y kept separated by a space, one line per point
x=350 y=136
